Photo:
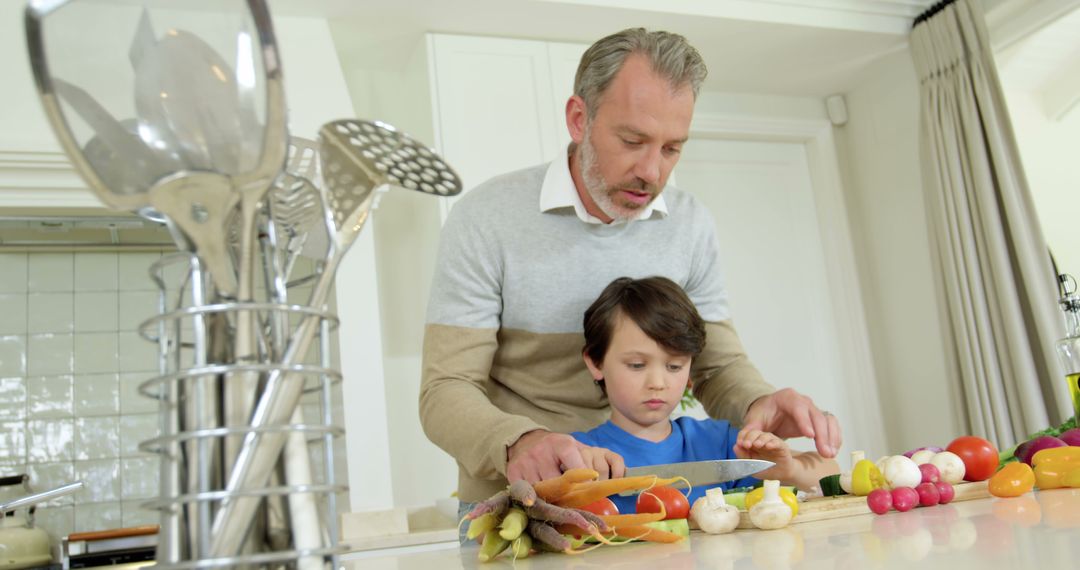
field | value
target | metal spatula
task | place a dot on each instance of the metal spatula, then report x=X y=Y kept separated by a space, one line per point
x=359 y=159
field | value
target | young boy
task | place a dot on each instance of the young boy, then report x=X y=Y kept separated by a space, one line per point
x=641 y=336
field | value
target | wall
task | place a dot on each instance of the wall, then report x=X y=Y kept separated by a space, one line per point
x=1048 y=149
x=70 y=365
x=879 y=153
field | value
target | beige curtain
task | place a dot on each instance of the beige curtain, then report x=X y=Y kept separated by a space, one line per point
x=996 y=279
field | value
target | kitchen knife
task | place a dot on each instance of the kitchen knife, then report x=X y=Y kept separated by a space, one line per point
x=700 y=473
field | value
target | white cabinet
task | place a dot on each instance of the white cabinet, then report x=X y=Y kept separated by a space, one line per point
x=499 y=104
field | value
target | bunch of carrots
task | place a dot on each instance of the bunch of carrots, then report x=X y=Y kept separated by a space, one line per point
x=525 y=518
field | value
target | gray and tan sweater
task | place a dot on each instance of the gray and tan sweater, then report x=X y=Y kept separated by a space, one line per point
x=503 y=340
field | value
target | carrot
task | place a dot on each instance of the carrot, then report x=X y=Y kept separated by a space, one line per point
x=585 y=493
x=552 y=489
x=523 y=492
x=620 y=521
x=497 y=503
x=648 y=534
x=547 y=537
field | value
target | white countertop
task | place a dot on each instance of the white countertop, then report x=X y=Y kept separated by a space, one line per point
x=1040 y=530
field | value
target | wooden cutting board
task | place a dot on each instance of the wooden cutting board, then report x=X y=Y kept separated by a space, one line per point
x=825 y=508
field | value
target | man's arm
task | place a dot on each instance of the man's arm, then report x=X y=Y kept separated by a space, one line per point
x=725 y=381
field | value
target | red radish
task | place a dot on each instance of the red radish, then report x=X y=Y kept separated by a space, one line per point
x=930 y=473
x=945 y=492
x=928 y=494
x=1071 y=437
x=879 y=501
x=904 y=499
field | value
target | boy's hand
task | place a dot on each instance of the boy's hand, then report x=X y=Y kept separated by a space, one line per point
x=756 y=444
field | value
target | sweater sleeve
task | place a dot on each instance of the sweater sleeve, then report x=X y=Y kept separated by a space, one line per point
x=460 y=341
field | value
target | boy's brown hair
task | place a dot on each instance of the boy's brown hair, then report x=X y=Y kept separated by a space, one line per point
x=656 y=304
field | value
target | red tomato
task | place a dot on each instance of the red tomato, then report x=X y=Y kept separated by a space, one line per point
x=603 y=507
x=675 y=504
x=980 y=457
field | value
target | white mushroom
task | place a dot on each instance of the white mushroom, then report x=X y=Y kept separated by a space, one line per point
x=899 y=471
x=951 y=466
x=712 y=514
x=771 y=512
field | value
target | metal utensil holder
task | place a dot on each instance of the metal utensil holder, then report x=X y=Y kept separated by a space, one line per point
x=192 y=439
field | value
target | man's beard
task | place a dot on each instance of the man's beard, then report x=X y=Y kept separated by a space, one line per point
x=604 y=195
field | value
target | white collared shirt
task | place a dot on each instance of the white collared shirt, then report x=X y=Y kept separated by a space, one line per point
x=559 y=191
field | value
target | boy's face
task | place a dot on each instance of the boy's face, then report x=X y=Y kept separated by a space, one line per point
x=644 y=382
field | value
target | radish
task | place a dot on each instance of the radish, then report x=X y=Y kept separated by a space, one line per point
x=945 y=492
x=904 y=498
x=879 y=501
x=928 y=494
x=930 y=473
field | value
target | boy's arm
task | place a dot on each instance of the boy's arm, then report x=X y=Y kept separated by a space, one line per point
x=807 y=469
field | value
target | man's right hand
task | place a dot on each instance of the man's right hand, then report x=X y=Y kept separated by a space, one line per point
x=540 y=455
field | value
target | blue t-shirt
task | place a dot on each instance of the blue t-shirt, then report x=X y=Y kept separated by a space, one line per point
x=690 y=440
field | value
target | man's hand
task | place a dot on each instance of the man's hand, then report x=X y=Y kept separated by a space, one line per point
x=540 y=455
x=788 y=413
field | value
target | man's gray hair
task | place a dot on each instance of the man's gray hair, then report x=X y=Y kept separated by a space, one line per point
x=670 y=55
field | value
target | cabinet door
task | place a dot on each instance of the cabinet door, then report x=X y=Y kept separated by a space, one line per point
x=492 y=104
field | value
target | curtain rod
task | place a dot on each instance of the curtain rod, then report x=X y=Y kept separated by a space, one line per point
x=931 y=11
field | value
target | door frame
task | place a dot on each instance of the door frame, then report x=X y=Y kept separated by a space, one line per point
x=856 y=359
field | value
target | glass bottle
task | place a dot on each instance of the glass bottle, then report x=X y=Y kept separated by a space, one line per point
x=1069 y=347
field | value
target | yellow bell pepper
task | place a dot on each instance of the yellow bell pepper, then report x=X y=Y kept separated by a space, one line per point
x=1051 y=474
x=1068 y=453
x=1013 y=480
x=865 y=477
x=754 y=497
x=1072 y=479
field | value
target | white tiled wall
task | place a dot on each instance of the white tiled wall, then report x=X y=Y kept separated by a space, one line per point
x=71 y=362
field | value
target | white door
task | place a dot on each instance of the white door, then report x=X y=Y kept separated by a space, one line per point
x=761 y=197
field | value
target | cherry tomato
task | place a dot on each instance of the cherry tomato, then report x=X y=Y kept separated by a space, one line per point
x=980 y=457
x=675 y=504
x=603 y=507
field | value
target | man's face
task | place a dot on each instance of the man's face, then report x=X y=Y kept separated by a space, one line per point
x=629 y=148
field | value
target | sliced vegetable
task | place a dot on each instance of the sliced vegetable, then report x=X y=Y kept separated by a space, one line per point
x=713 y=515
x=866 y=477
x=737 y=500
x=830 y=486
x=1071 y=479
x=1013 y=480
x=584 y=493
x=980 y=457
x=772 y=511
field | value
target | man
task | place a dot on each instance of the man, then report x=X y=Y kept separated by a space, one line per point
x=523 y=255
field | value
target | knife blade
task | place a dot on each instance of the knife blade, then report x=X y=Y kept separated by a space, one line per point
x=701 y=472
